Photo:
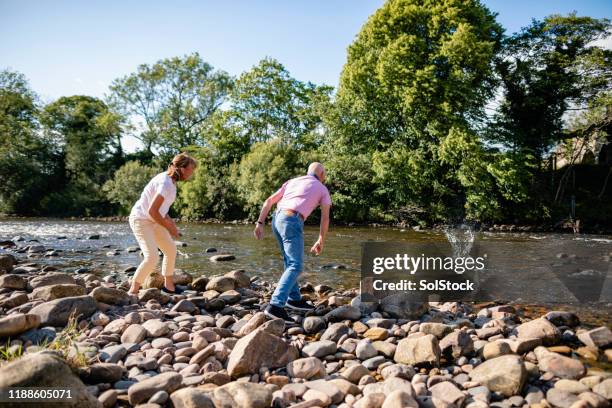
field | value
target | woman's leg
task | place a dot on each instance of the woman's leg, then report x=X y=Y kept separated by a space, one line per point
x=168 y=247
x=143 y=231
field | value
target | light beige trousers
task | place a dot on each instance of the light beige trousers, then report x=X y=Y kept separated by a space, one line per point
x=151 y=236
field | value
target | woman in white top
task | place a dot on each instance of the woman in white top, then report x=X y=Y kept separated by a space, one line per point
x=153 y=227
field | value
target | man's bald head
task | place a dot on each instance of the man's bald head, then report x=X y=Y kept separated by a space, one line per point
x=318 y=169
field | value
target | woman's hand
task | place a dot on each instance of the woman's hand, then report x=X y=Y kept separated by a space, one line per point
x=171 y=227
x=258 y=232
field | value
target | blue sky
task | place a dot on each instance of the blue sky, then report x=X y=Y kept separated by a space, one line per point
x=79 y=47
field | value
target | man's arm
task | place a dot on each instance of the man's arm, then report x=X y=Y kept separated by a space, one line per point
x=265 y=210
x=317 y=248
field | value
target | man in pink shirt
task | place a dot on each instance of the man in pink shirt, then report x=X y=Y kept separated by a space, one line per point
x=295 y=200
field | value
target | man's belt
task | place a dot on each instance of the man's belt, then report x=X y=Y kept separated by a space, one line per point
x=291 y=213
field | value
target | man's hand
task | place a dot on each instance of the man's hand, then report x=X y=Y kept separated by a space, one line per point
x=258 y=232
x=317 y=248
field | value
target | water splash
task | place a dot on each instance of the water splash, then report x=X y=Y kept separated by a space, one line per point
x=461 y=238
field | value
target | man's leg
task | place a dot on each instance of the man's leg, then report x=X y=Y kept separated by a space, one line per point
x=279 y=239
x=291 y=232
x=295 y=294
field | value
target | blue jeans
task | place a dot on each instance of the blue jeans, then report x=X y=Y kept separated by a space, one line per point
x=289 y=232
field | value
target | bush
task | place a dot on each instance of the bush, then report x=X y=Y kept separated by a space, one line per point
x=264 y=169
x=210 y=193
x=127 y=184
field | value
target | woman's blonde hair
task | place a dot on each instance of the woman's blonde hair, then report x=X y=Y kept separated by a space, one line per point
x=179 y=162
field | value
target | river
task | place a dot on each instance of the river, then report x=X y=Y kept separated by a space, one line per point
x=338 y=266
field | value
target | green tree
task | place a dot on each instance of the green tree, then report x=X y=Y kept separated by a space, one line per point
x=127 y=184
x=264 y=169
x=171 y=101
x=86 y=132
x=28 y=162
x=211 y=192
x=547 y=69
x=417 y=79
x=268 y=103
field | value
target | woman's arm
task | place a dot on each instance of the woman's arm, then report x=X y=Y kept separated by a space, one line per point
x=166 y=222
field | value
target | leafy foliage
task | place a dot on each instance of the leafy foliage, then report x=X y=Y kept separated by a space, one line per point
x=171 y=101
x=548 y=68
x=419 y=74
x=127 y=183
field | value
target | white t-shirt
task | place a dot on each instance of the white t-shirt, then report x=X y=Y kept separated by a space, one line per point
x=161 y=184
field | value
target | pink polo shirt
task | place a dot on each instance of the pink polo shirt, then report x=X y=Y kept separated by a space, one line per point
x=303 y=194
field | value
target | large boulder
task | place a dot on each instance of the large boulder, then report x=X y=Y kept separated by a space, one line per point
x=421 y=350
x=604 y=388
x=14 y=300
x=599 y=337
x=13 y=281
x=191 y=398
x=143 y=390
x=335 y=331
x=320 y=348
x=52 y=278
x=7 y=261
x=403 y=306
x=242 y=395
x=47 y=370
x=448 y=392
x=154 y=280
x=111 y=296
x=562 y=318
x=539 y=329
x=399 y=399
x=182 y=278
x=259 y=349
x=52 y=292
x=101 y=373
x=345 y=312
x=134 y=333
x=313 y=324
x=199 y=283
x=437 y=329
x=305 y=367
x=366 y=303
x=505 y=374
x=558 y=365
x=155 y=328
x=221 y=284
x=18 y=323
x=253 y=323
x=241 y=278
x=57 y=312
x=456 y=344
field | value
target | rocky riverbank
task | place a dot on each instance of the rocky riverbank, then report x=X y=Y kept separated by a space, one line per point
x=212 y=346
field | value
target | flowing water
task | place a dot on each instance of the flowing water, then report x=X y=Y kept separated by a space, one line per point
x=338 y=266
